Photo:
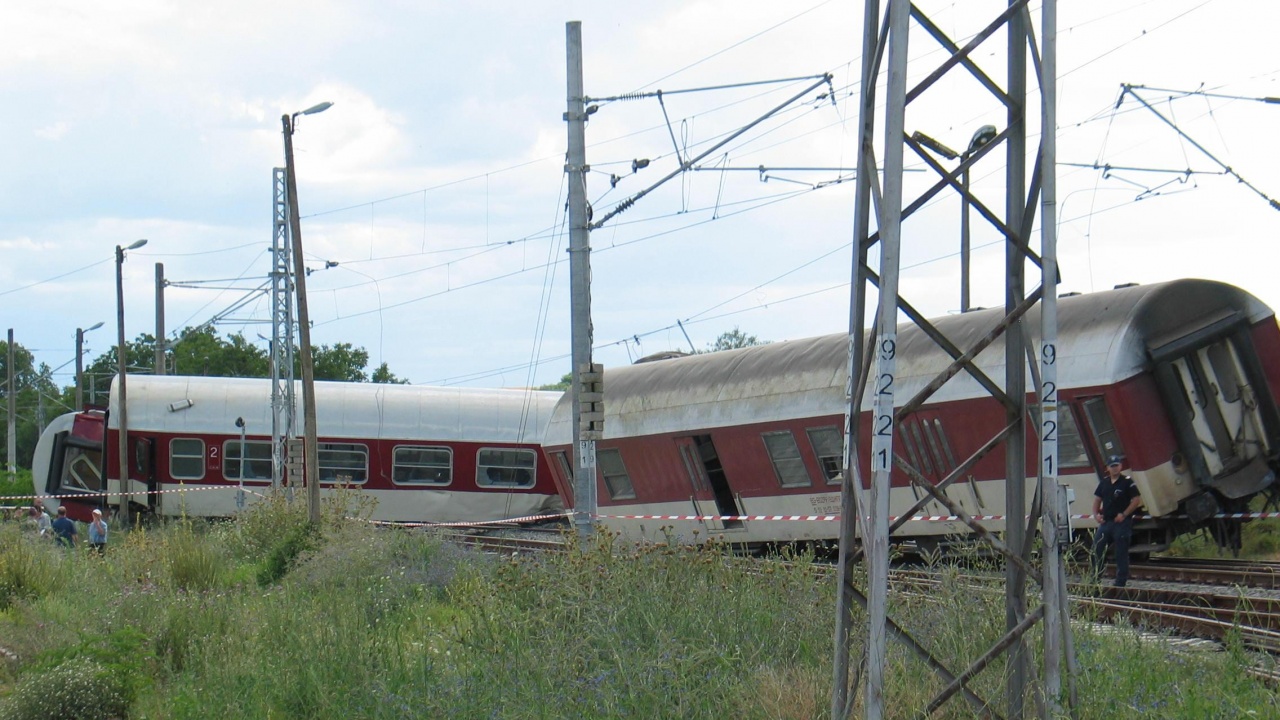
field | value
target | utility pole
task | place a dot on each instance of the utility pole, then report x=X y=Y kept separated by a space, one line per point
x=122 y=406
x=10 y=391
x=282 y=391
x=586 y=434
x=310 y=450
x=79 y=370
x=160 y=354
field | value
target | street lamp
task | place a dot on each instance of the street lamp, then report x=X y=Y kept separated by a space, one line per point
x=311 y=453
x=80 y=363
x=122 y=407
x=984 y=135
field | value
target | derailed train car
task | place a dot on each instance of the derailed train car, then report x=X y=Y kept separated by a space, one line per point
x=1182 y=378
x=422 y=454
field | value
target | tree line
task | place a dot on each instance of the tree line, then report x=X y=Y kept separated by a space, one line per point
x=197 y=351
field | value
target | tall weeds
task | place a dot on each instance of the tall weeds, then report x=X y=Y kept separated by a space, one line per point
x=390 y=623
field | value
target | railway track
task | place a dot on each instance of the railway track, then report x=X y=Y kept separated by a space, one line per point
x=1209 y=614
x=1200 y=571
x=500 y=540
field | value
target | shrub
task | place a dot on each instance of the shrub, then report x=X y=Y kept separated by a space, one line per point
x=79 y=688
x=100 y=676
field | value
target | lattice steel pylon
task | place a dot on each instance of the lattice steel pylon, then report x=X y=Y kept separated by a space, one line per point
x=871 y=369
x=282 y=395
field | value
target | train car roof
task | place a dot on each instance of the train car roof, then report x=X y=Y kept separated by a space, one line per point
x=177 y=403
x=1103 y=338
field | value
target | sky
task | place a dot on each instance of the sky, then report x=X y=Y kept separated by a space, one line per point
x=433 y=195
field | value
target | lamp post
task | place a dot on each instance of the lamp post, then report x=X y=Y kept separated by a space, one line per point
x=123 y=407
x=984 y=135
x=80 y=364
x=311 y=454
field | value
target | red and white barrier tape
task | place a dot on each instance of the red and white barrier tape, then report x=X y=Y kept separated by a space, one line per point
x=525 y=519
x=82 y=495
x=914 y=518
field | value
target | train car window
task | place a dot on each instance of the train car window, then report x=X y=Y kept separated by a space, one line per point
x=616 y=479
x=258 y=455
x=1224 y=368
x=186 y=458
x=785 y=454
x=343 y=463
x=82 y=469
x=1104 y=431
x=828 y=446
x=566 y=474
x=505 y=467
x=1071 y=451
x=422 y=466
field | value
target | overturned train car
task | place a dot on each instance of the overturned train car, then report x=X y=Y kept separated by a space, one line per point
x=1182 y=378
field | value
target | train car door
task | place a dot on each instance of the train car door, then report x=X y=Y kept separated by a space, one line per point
x=707 y=481
x=143 y=466
x=1224 y=413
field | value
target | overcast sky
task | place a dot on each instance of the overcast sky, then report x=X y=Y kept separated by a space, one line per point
x=436 y=181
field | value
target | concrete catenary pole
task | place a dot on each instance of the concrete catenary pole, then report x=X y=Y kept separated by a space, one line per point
x=885 y=354
x=850 y=516
x=122 y=405
x=1015 y=373
x=1051 y=492
x=10 y=390
x=79 y=369
x=311 y=454
x=584 y=459
x=159 y=368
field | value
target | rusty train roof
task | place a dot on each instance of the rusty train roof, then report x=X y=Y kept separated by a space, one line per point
x=1102 y=339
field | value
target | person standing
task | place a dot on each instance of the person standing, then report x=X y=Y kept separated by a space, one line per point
x=64 y=528
x=98 y=532
x=1114 y=503
x=43 y=524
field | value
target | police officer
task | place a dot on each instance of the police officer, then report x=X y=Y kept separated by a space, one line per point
x=1114 y=503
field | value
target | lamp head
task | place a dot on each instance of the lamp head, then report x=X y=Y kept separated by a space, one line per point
x=934 y=145
x=94 y=326
x=984 y=135
x=317 y=108
x=137 y=244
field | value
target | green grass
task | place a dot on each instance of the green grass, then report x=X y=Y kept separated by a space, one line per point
x=176 y=622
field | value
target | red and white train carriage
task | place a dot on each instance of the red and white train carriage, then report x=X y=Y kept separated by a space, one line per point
x=1182 y=378
x=424 y=454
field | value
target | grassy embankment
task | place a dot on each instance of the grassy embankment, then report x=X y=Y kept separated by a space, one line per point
x=268 y=617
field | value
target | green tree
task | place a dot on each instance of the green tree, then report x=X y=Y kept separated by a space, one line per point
x=200 y=351
x=732 y=340
x=341 y=362
x=37 y=399
x=384 y=375
x=565 y=383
